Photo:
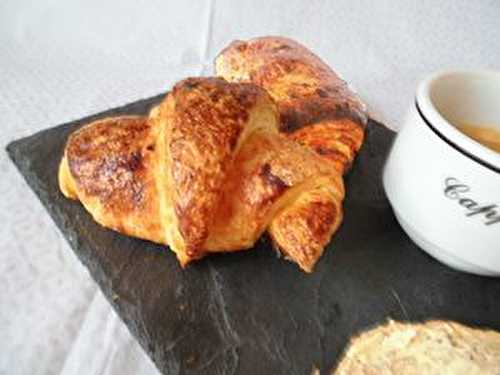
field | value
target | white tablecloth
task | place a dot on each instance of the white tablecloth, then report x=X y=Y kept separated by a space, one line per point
x=62 y=60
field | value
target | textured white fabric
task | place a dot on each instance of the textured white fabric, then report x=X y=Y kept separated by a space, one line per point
x=62 y=60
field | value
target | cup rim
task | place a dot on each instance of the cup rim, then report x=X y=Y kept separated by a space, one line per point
x=445 y=130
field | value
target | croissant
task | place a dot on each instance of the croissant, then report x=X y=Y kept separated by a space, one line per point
x=207 y=171
x=316 y=107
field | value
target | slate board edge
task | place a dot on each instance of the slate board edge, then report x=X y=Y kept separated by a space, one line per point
x=13 y=150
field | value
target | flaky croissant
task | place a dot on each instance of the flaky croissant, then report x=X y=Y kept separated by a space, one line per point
x=316 y=107
x=207 y=171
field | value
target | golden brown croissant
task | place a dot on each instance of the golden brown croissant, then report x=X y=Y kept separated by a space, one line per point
x=316 y=106
x=208 y=171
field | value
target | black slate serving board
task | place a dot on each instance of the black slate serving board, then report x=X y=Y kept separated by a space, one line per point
x=250 y=312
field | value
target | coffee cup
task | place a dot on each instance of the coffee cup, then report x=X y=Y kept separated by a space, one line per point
x=443 y=185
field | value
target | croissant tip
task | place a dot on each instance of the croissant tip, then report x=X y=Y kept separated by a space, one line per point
x=306 y=269
x=186 y=257
x=183 y=262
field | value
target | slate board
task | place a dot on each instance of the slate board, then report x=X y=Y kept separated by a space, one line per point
x=250 y=312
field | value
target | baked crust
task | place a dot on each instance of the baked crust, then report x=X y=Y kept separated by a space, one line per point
x=435 y=347
x=316 y=107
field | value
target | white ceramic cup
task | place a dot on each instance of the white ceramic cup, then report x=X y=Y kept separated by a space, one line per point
x=444 y=187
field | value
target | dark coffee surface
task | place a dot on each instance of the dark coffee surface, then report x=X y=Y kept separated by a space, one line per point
x=250 y=312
